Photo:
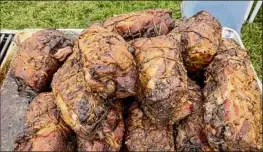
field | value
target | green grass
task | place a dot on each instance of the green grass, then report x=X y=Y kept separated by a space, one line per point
x=20 y=15
x=252 y=39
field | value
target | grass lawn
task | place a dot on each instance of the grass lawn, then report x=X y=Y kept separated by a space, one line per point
x=20 y=15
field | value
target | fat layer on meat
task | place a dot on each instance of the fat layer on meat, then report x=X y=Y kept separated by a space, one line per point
x=233 y=101
x=146 y=23
x=162 y=85
x=200 y=36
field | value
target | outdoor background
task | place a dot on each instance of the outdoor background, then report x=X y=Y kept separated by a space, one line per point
x=80 y=14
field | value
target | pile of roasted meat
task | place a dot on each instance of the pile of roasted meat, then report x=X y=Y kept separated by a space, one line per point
x=139 y=82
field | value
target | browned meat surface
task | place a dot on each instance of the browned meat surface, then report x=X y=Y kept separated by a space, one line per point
x=39 y=57
x=146 y=23
x=100 y=69
x=200 y=36
x=109 y=135
x=233 y=101
x=190 y=134
x=80 y=109
x=44 y=130
x=162 y=79
x=143 y=135
x=108 y=66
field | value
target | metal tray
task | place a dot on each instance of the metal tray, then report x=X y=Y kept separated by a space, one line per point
x=13 y=106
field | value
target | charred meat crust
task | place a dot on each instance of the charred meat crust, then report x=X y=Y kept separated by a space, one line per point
x=108 y=65
x=87 y=84
x=190 y=135
x=200 y=36
x=39 y=57
x=110 y=134
x=162 y=79
x=44 y=129
x=233 y=114
x=134 y=55
x=147 y=23
x=80 y=109
x=143 y=135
